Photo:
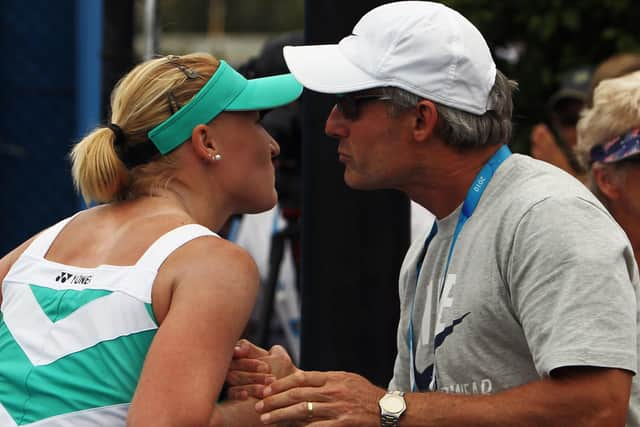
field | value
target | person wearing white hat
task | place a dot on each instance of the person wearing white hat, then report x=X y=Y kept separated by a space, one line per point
x=510 y=313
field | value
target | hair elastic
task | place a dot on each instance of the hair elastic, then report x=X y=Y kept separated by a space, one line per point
x=119 y=134
x=131 y=155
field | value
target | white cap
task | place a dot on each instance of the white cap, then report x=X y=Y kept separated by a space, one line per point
x=423 y=47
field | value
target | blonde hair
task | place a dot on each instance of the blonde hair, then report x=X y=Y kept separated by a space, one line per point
x=141 y=100
x=615 y=111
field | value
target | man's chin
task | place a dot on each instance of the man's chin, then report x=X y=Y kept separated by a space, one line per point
x=359 y=184
x=351 y=182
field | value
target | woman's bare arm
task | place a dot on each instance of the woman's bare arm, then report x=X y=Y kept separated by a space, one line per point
x=213 y=291
x=6 y=262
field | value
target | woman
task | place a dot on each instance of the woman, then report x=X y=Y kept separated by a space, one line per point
x=609 y=145
x=128 y=312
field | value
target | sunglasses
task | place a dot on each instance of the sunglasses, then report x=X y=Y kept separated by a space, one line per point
x=348 y=104
x=630 y=161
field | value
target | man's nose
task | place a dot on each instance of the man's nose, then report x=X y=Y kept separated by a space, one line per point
x=336 y=125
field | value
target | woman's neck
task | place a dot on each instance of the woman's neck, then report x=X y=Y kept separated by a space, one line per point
x=199 y=209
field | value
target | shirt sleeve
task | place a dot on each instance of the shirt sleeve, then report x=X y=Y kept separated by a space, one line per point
x=574 y=286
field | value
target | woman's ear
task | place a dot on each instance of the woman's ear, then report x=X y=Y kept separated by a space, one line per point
x=606 y=180
x=426 y=117
x=203 y=143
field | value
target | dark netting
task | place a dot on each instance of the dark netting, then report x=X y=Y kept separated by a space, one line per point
x=37 y=119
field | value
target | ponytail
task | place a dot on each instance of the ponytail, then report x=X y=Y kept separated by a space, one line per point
x=144 y=98
x=98 y=174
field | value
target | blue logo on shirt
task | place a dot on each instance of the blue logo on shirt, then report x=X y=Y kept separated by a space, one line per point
x=423 y=379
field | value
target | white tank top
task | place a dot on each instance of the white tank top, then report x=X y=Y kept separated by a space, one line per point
x=73 y=339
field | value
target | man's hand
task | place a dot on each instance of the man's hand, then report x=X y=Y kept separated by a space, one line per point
x=252 y=368
x=321 y=398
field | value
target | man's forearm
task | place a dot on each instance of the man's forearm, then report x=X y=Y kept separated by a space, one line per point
x=596 y=398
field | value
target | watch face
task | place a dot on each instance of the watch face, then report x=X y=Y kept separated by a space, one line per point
x=393 y=404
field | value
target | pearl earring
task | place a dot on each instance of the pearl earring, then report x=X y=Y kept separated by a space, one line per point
x=216 y=157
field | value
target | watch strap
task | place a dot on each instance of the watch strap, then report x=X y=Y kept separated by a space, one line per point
x=388 y=421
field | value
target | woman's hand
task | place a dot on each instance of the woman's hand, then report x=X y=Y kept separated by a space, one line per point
x=253 y=368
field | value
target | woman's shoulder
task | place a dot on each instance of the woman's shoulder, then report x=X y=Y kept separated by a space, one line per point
x=206 y=271
x=212 y=262
x=216 y=256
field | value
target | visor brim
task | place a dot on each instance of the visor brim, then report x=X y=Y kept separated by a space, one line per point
x=266 y=93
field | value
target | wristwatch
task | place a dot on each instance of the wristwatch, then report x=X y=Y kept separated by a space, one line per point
x=392 y=405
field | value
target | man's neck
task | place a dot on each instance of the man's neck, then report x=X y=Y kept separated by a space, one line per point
x=442 y=187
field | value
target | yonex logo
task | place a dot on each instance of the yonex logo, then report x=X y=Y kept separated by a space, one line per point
x=73 y=279
x=62 y=277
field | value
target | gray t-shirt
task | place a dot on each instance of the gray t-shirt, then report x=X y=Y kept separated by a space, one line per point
x=541 y=277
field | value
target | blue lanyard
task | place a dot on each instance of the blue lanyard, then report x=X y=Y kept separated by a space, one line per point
x=234 y=227
x=474 y=194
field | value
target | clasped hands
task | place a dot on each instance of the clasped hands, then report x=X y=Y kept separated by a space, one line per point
x=290 y=396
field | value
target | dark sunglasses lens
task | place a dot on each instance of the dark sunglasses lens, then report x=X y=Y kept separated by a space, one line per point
x=631 y=160
x=347 y=107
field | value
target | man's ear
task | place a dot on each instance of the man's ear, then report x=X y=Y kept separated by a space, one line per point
x=426 y=117
x=604 y=177
x=203 y=142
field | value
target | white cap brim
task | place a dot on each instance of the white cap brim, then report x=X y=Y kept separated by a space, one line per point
x=323 y=68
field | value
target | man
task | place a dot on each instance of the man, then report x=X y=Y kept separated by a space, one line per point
x=555 y=141
x=609 y=146
x=520 y=307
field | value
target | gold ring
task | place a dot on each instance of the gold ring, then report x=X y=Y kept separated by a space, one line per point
x=309 y=410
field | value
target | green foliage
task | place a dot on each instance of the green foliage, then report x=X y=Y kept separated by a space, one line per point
x=190 y=16
x=240 y=16
x=265 y=16
x=556 y=36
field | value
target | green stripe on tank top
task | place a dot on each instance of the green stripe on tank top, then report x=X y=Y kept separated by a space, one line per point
x=58 y=304
x=103 y=375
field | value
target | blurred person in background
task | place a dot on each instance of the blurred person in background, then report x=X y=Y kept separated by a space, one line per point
x=128 y=312
x=615 y=66
x=555 y=140
x=609 y=147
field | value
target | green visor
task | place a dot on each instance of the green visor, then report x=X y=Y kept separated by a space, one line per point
x=227 y=90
